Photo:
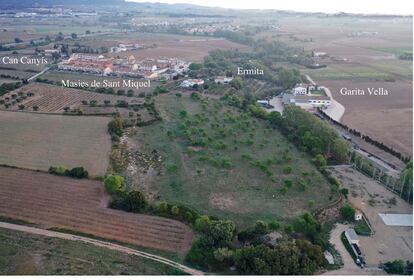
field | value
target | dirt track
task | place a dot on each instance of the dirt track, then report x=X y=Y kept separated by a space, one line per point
x=108 y=245
x=80 y=205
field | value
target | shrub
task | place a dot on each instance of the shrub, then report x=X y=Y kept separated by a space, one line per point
x=77 y=172
x=188 y=216
x=287 y=170
x=132 y=201
x=114 y=184
x=399 y=267
x=58 y=170
x=348 y=212
x=288 y=229
x=202 y=223
x=273 y=225
x=116 y=127
x=260 y=227
x=288 y=183
x=344 y=191
x=163 y=207
x=175 y=210
x=319 y=160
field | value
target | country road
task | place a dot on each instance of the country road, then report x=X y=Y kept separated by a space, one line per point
x=100 y=243
x=38 y=74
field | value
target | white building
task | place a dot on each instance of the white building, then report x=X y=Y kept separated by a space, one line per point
x=300 y=90
x=352 y=237
x=306 y=101
x=189 y=83
x=223 y=80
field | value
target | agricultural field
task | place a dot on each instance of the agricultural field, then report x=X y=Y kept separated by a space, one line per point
x=165 y=45
x=392 y=115
x=48 y=98
x=362 y=52
x=21 y=74
x=221 y=162
x=36 y=197
x=38 y=141
x=27 y=254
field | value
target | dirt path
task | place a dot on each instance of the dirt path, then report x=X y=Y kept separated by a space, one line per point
x=104 y=244
x=350 y=267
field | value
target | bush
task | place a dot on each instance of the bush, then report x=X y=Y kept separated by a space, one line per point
x=273 y=225
x=77 y=172
x=287 y=170
x=116 y=127
x=163 y=207
x=58 y=170
x=260 y=227
x=319 y=160
x=175 y=210
x=348 y=212
x=399 y=267
x=132 y=201
x=114 y=184
x=344 y=191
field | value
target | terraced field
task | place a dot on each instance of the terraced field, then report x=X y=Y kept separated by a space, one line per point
x=80 y=205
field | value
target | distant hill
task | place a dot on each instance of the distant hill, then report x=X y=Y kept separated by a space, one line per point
x=36 y=3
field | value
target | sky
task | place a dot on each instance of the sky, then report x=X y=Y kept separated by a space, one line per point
x=403 y=7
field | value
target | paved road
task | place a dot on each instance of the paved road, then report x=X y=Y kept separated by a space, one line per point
x=104 y=244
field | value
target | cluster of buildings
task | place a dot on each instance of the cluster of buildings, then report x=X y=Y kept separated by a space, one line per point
x=306 y=96
x=125 y=47
x=190 y=83
x=130 y=67
x=210 y=29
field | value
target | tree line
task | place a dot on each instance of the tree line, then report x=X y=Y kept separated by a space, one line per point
x=368 y=139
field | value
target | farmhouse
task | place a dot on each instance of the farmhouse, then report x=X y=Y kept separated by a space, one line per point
x=223 y=80
x=189 y=83
x=300 y=89
x=306 y=101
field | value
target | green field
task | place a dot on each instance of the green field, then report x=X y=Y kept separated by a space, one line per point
x=225 y=163
x=347 y=72
x=27 y=254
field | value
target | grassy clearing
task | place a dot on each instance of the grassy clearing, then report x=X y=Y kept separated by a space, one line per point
x=27 y=254
x=225 y=163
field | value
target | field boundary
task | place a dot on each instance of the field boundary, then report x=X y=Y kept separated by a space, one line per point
x=100 y=243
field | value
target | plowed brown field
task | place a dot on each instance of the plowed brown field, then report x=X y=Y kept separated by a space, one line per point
x=80 y=205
